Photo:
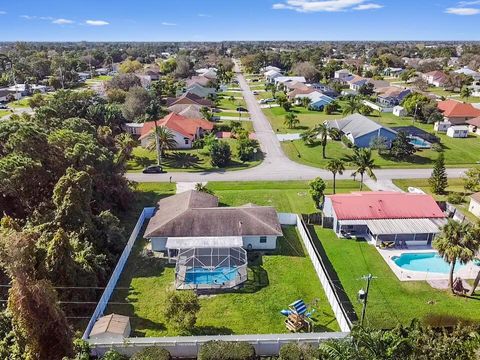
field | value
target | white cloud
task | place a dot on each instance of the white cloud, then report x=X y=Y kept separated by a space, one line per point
x=62 y=21
x=369 y=6
x=3 y=12
x=325 y=5
x=168 y=24
x=463 y=11
x=97 y=22
x=204 y=15
x=468 y=3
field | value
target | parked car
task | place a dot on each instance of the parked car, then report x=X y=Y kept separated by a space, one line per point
x=242 y=109
x=269 y=100
x=254 y=80
x=262 y=101
x=3 y=107
x=153 y=169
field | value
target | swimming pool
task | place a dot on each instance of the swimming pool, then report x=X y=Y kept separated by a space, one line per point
x=419 y=142
x=426 y=262
x=219 y=276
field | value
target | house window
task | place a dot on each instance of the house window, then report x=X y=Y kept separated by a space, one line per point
x=186 y=141
x=263 y=239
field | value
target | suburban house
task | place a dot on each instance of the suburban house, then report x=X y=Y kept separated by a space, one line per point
x=341 y=74
x=325 y=89
x=317 y=100
x=271 y=75
x=270 y=68
x=393 y=72
x=184 y=130
x=200 y=90
x=391 y=96
x=301 y=91
x=282 y=80
x=191 y=99
x=474 y=206
x=436 y=78
x=292 y=85
x=187 y=110
x=457 y=131
x=360 y=130
x=385 y=217
x=457 y=112
x=198 y=80
x=26 y=89
x=203 y=238
x=474 y=125
x=356 y=82
x=112 y=327
x=468 y=72
x=209 y=73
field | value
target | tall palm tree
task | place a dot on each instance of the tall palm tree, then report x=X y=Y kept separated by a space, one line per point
x=456 y=244
x=465 y=92
x=352 y=106
x=161 y=139
x=124 y=143
x=335 y=166
x=362 y=159
x=323 y=132
x=475 y=233
x=291 y=120
x=306 y=101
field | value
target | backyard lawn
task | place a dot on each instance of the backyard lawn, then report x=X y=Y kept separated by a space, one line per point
x=455 y=186
x=22 y=103
x=458 y=152
x=4 y=113
x=392 y=301
x=254 y=308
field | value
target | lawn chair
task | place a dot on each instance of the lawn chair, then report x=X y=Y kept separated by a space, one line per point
x=458 y=286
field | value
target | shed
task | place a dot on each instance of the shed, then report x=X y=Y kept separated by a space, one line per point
x=399 y=111
x=474 y=206
x=112 y=327
x=458 y=131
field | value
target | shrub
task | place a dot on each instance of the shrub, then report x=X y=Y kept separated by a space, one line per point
x=224 y=350
x=220 y=154
x=437 y=147
x=346 y=141
x=181 y=310
x=296 y=351
x=455 y=198
x=113 y=355
x=152 y=353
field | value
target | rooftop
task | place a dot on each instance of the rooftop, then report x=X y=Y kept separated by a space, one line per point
x=454 y=108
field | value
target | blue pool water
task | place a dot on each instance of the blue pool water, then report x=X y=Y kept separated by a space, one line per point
x=206 y=276
x=419 y=142
x=427 y=262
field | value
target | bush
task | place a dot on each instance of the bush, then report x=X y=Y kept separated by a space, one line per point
x=437 y=147
x=296 y=351
x=152 y=353
x=346 y=141
x=455 y=198
x=224 y=350
x=181 y=309
x=113 y=355
x=220 y=154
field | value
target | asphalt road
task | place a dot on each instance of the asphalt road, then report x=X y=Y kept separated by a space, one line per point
x=276 y=165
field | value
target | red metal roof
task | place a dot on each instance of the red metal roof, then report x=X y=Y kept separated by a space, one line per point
x=181 y=124
x=453 y=108
x=384 y=205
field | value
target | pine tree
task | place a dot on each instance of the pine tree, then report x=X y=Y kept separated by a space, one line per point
x=439 y=181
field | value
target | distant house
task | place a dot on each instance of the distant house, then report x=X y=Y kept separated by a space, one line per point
x=324 y=89
x=133 y=128
x=282 y=80
x=318 y=101
x=360 y=130
x=474 y=125
x=435 y=78
x=457 y=131
x=102 y=71
x=391 y=96
x=399 y=111
x=271 y=75
x=198 y=80
x=468 y=72
x=302 y=91
x=393 y=72
x=111 y=327
x=270 y=68
x=457 y=112
x=200 y=90
x=341 y=74
x=474 y=206
x=184 y=130
x=292 y=85
x=25 y=90
x=187 y=110
x=382 y=216
x=209 y=73
x=153 y=73
x=191 y=99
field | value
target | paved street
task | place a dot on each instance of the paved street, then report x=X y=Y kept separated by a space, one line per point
x=276 y=165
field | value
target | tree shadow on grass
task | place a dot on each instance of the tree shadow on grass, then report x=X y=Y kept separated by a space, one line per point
x=143 y=161
x=183 y=160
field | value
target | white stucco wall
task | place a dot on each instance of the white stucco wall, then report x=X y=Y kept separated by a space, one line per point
x=255 y=243
x=474 y=208
x=179 y=139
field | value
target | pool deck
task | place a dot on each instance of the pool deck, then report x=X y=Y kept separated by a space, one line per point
x=470 y=270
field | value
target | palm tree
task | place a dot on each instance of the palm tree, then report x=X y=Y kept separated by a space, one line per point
x=466 y=92
x=456 y=244
x=291 y=120
x=124 y=143
x=161 y=139
x=362 y=159
x=335 y=166
x=203 y=188
x=306 y=101
x=475 y=233
x=323 y=132
x=352 y=106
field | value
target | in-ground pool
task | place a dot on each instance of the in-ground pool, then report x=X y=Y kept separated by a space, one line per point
x=420 y=143
x=425 y=261
x=199 y=275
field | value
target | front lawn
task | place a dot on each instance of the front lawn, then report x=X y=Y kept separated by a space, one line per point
x=274 y=281
x=227 y=104
x=4 y=113
x=22 y=103
x=392 y=301
x=192 y=160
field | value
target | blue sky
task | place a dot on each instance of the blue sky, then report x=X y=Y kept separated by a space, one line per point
x=216 y=20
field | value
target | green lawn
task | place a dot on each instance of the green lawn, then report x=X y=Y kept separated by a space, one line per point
x=392 y=301
x=452 y=95
x=22 y=103
x=193 y=160
x=4 y=113
x=227 y=104
x=254 y=308
x=285 y=196
x=234 y=114
x=458 y=152
x=247 y=125
x=97 y=79
x=454 y=186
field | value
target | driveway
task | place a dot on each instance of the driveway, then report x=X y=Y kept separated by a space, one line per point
x=276 y=165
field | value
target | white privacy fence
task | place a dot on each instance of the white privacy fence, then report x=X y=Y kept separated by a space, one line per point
x=146 y=214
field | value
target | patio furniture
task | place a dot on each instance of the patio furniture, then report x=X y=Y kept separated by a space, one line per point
x=458 y=286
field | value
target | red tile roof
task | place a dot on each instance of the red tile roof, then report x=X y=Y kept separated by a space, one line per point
x=453 y=108
x=178 y=123
x=384 y=205
x=474 y=121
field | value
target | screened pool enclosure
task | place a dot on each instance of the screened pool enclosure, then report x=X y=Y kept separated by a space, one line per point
x=210 y=264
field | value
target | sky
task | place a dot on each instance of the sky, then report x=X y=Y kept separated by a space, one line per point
x=217 y=20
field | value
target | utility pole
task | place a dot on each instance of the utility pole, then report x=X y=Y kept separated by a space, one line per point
x=363 y=296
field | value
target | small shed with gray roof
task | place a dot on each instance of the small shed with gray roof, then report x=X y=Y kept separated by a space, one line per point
x=361 y=130
x=111 y=327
